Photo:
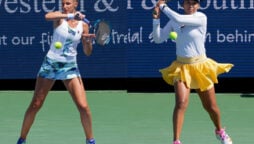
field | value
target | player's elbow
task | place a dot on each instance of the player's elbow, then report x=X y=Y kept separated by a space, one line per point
x=48 y=16
x=87 y=52
x=157 y=40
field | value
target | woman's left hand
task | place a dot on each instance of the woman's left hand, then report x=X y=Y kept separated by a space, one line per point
x=88 y=37
x=79 y=16
x=160 y=2
x=156 y=12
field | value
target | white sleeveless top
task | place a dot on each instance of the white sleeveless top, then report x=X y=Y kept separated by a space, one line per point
x=70 y=38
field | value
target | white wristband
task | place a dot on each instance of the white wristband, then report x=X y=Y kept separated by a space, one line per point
x=70 y=16
x=162 y=6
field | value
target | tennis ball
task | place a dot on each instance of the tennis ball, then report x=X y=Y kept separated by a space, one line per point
x=58 y=45
x=173 y=35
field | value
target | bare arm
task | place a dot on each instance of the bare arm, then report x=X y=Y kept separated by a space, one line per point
x=87 y=40
x=56 y=17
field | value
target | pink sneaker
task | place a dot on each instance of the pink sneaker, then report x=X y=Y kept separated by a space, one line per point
x=223 y=137
x=177 y=142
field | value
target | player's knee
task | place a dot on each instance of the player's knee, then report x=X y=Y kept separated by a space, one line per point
x=211 y=108
x=36 y=104
x=181 y=105
x=83 y=108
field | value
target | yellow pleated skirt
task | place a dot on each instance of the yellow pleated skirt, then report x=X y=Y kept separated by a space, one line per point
x=197 y=72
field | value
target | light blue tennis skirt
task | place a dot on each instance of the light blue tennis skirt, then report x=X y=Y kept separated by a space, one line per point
x=52 y=69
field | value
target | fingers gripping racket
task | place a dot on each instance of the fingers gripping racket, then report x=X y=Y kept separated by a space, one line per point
x=101 y=29
x=166 y=1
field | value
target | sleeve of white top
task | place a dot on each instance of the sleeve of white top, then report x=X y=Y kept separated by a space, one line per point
x=159 y=34
x=191 y=20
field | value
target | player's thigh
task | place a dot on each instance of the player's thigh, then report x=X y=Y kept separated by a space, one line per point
x=182 y=93
x=42 y=87
x=76 y=89
x=43 y=84
x=208 y=97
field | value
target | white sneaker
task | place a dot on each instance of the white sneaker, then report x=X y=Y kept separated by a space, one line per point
x=223 y=137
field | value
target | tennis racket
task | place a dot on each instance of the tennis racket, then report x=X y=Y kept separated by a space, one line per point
x=101 y=29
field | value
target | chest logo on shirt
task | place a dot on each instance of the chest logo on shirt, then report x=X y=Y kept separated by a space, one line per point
x=72 y=32
x=182 y=26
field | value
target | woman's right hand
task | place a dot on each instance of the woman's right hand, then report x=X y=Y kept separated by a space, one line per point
x=156 y=12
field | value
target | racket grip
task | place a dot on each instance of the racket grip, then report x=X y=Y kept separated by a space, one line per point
x=86 y=20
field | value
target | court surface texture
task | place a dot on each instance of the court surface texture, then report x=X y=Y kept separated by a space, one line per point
x=124 y=118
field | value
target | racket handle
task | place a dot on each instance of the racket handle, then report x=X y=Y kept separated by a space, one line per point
x=86 y=20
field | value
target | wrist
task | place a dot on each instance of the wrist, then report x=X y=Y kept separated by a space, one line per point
x=70 y=16
x=162 y=7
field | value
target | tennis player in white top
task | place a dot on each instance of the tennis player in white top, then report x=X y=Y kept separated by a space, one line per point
x=192 y=69
x=61 y=64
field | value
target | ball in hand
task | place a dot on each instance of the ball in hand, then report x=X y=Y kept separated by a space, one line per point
x=58 y=45
x=173 y=35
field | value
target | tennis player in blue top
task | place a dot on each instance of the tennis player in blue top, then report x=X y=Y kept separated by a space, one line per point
x=192 y=69
x=61 y=64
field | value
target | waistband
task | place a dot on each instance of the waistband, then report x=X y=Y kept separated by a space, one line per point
x=191 y=60
x=60 y=57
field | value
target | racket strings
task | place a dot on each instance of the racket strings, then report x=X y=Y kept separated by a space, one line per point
x=102 y=31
